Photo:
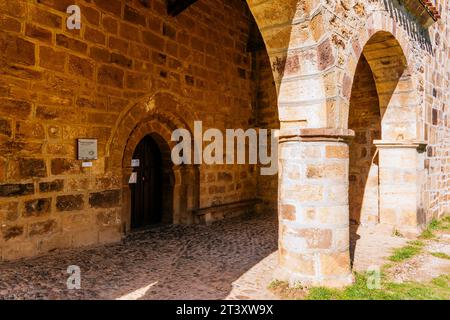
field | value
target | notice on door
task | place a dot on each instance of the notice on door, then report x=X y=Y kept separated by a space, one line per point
x=135 y=163
x=133 y=178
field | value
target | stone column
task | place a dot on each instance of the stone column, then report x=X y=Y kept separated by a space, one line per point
x=401 y=176
x=313 y=207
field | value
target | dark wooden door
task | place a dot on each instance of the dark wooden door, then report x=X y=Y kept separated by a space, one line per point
x=146 y=193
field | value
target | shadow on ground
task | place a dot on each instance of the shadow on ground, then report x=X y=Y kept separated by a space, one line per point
x=167 y=262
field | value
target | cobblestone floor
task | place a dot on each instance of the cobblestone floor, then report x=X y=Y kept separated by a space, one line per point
x=231 y=259
x=167 y=262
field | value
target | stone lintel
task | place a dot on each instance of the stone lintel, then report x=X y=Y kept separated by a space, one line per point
x=412 y=144
x=316 y=134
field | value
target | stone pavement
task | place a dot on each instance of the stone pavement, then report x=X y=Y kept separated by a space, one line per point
x=166 y=262
x=231 y=259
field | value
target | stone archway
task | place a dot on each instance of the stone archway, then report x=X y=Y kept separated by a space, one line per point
x=313 y=154
x=391 y=187
x=147 y=118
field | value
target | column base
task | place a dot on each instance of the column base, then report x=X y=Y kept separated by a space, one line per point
x=407 y=232
x=296 y=279
x=390 y=230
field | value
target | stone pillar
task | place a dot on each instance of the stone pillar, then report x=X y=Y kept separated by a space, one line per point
x=401 y=177
x=185 y=193
x=313 y=207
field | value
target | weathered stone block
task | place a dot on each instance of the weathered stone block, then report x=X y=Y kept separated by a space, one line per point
x=325 y=55
x=18 y=50
x=316 y=238
x=110 y=76
x=29 y=130
x=45 y=17
x=9 y=211
x=70 y=203
x=10 y=24
x=64 y=166
x=32 y=168
x=5 y=127
x=37 y=207
x=105 y=199
x=71 y=43
x=339 y=152
x=302 y=264
x=11 y=232
x=92 y=15
x=42 y=228
x=15 y=190
x=81 y=67
x=21 y=109
x=38 y=33
x=95 y=36
x=336 y=264
x=112 y=6
x=288 y=212
x=107 y=218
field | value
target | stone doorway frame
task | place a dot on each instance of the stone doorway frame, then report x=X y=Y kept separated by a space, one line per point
x=183 y=179
x=148 y=118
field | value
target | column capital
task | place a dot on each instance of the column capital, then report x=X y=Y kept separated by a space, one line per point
x=412 y=144
x=316 y=134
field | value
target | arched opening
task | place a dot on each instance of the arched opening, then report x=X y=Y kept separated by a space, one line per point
x=382 y=114
x=152 y=185
x=169 y=193
x=365 y=120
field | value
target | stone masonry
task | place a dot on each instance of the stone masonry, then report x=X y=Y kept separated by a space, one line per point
x=359 y=90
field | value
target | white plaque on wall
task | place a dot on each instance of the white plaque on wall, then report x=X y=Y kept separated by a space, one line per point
x=87 y=149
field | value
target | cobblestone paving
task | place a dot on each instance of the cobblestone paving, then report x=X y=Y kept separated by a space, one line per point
x=166 y=262
x=231 y=259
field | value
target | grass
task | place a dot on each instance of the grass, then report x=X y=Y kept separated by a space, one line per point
x=282 y=289
x=440 y=255
x=435 y=225
x=413 y=248
x=438 y=289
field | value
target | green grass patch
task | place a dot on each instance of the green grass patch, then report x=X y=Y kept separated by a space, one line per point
x=440 y=255
x=438 y=289
x=436 y=225
x=406 y=252
x=442 y=281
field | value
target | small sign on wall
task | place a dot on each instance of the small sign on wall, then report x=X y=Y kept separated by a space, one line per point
x=135 y=163
x=87 y=149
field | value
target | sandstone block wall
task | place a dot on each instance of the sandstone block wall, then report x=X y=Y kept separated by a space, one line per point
x=132 y=68
x=58 y=85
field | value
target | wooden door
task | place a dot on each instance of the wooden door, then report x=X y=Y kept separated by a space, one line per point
x=146 y=193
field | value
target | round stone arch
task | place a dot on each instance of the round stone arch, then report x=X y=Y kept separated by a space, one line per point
x=295 y=36
x=399 y=170
x=152 y=117
x=387 y=49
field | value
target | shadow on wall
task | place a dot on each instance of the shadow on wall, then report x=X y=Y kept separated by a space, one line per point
x=381 y=106
x=414 y=29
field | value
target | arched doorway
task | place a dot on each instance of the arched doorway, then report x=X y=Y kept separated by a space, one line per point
x=151 y=183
